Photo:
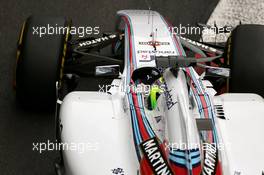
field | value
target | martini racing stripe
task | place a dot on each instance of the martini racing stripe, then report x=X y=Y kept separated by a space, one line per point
x=135 y=125
x=199 y=95
x=131 y=40
x=145 y=120
x=187 y=164
x=135 y=122
x=136 y=101
x=183 y=165
x=141 y=125
x=204 y=100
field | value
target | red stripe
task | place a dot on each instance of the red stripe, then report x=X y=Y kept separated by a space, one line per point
x=145 y=168
x=142 y=127
x=204 y=104
x=205 y=107
x=179 y=170
x=197 y=170
x=206 y=114
x=130 y=44
x=218 y=169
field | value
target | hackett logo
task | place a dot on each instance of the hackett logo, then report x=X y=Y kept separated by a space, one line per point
x=155 y=157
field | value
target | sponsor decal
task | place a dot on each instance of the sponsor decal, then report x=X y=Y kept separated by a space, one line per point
x=210 y=159
x=239 y=173
x=149 y=55
x=155 y=157
x=154 y=43
x=146 y=58
x=153 y=52
x=118 y=171
x=169 y=101
x=97 y=40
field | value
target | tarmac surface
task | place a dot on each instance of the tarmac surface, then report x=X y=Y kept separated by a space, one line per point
x=20 y=128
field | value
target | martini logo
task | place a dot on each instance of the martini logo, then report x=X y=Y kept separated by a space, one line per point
x=154 y=43
x=155 y=157
x=210 y=159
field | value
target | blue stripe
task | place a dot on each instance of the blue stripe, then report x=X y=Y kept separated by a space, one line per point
x=196 y=160
x=133 y=42
x=199 y=103
x=199 y=91
x=194 y=154
x=183 y=161
x=137 y=132
x=198 y=85
x=177 y=160
x=149 y=129
x=208 y=103
x=135 y=122
x=212 y=116
x=178 y=153
x=180 y=157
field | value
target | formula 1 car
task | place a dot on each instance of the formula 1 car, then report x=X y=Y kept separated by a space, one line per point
x=161 y=114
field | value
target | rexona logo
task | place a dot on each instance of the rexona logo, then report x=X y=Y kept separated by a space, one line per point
x=154 y=43
x=169 y=100
x=155 y=157
x=210 y=159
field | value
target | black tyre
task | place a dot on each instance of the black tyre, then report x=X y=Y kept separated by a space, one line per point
x=40 y=61
x=245 y=55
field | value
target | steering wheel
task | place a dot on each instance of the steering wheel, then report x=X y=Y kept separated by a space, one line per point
x=147 y=75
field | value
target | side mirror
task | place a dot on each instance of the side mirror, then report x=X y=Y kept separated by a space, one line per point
x=107 y=71
x=217 y=72
x=211 y=71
